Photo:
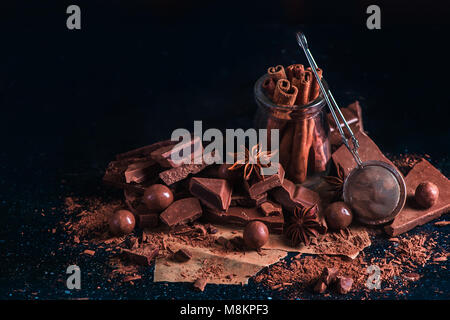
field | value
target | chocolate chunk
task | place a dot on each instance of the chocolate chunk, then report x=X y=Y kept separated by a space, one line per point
x=320 y=287
x=240 y=216
x=141 y=256
x=148 y=220
x=344 y=285
x=213 y=193
x=240 y=200
x=181 y=212
x=182 y=255
x=412 y=214
x=328 y=275
x=200 y=284
x=269 y=208
x=182 y=172
x=368 y=150
x=290 y=196
x=411 y=276
x=255 y=189
x=145 y=151
x=353 y=116
x=184 y=152
x=140 y=171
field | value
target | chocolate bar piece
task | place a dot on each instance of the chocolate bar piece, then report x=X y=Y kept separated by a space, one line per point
x=144 y=152
x=182 y=255
x=290 y=196
x=353 y=116
x=115 y=174
x=141 y=256
x=181 y=212
x=240 y=200
x=200 y=284
x=412 y=214
x=368 y=150
x=213 y=193
x=269 y=208
x=240 y=216
x=140 y=171
x=259 y=187
x=149 y=220
x=182 y=172
x=185 y=153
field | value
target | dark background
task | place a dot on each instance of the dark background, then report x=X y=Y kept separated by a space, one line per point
x=72 y=99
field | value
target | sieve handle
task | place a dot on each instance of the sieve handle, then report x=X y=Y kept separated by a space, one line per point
x=331 y=102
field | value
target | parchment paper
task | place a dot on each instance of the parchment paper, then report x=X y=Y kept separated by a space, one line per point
x=234 y=267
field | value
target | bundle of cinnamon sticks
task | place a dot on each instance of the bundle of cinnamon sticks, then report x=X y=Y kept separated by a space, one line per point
x=303 y=147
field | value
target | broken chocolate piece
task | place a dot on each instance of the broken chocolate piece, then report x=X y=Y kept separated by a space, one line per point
x=290 y=196
x=181 y=212
x=182 y=172
x=148 y=220
x=213 y=193
x=411 y=276
x=140 y=169
x=141 y=256
x=182 y=255
x=173 y=156
x=240 y=216
x=255 y=189
x=328 y=275
x=145 y=151
x=413 y=215
x=240 y=200
x=353 y=116
x=200 y=284
x=269 y=208
x=139 y=172
x=320 y=287
x=368 y=150
x=344 y=285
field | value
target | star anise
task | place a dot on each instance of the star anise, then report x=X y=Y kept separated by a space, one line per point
x=252 y=161
x=336 y=183
x=304 y=225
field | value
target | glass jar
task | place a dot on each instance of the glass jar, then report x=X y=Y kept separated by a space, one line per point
x=304 y=145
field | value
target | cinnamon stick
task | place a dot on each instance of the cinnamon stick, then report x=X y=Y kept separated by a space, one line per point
x=269 y=87
x=304 y=86
x=314 y=92
x=294 y=70
x=285 y=94
x=277 y=73
x=302 y=136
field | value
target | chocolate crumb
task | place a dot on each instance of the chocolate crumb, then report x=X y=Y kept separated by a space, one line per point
x=200 y=284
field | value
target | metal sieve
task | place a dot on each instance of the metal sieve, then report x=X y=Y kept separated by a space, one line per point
x=375 y=190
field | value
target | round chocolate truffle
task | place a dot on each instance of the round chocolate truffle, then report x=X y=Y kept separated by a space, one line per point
x=256 y=234
x=121 y=222
x=427 y=194
x=338 y=215
x=157 y=197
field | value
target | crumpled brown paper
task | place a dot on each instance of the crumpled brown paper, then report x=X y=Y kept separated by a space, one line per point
x=236 y=267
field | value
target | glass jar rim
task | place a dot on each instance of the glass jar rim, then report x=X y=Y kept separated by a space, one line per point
x=260 y=95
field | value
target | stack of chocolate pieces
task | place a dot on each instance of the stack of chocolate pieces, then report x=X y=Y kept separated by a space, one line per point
x=200 y=190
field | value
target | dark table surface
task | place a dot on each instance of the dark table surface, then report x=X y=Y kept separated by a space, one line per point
x=71 y=100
